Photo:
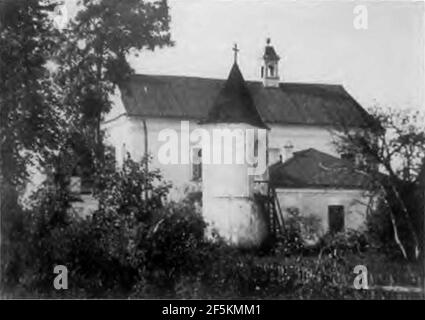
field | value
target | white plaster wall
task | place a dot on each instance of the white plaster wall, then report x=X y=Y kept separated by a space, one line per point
x=130 y=131
x=316 y=202
x=238 y=220
x=228 y=204
x=227 y=188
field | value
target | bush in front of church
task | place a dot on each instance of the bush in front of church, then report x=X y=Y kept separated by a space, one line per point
x=135 y=237
x=300 y=234
x=138 y=245
x=148 y=242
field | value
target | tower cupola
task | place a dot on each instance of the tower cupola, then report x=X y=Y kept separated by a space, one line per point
x=270 y=66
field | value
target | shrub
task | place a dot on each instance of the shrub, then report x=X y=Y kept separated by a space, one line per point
x=342 y=243
x=47 y=235
x=132 y=191
x=300 y=232
x=148 y=240
x=174 y=244
x=131 y=238
x=290 y=241
x=325 y=277
x=127 y=250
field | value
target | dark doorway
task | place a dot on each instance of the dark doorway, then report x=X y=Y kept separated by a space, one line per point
x=336 y=218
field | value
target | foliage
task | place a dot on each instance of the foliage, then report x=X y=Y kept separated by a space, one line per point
x=31 y=118
x=240 y=275
x=381 y=234
x=343 y=243
x=132 y=190
x=38 y=240
x=393 y=151
x=395 y=143
x=92 y=60
x=123 y=250
x=29 y=101
x=130 y=240
x=55 y=85
x=303 y=236
x=176 y=243
x=300 y=232
x=119 y=255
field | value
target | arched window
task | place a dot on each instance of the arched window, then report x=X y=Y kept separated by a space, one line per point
x=271 y=70
x=123 y=152
x=196 y=164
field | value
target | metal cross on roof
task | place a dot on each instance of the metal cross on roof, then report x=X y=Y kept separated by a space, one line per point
x=235 y=50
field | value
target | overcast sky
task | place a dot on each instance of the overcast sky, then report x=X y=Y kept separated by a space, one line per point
x=316 y=40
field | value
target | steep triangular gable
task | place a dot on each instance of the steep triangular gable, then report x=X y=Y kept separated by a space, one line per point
x=234 y=103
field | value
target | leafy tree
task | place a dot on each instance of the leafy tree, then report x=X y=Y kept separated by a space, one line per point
x=31 y=118
x=93 y=56
x=55 y=85
x=123 y=192
x=392 y=153
x=29 y=101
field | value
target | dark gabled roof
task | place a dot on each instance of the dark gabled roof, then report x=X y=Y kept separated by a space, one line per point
x=311 y=168
x=291 y=103
x=270 y=53
x=234 y=103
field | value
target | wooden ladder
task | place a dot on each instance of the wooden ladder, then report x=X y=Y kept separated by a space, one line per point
x=277 y=225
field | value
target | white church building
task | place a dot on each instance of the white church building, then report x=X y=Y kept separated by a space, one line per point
x=293 y=126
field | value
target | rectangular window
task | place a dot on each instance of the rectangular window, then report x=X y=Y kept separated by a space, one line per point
x=196 y=164
x=336 y=218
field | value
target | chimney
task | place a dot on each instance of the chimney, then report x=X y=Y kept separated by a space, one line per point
x=289 y=149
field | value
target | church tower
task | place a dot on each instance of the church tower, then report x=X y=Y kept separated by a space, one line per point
x=228 y=203
x=270 y=66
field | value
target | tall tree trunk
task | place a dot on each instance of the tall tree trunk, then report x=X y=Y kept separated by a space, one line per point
x=145 y=132
x=396 y=237
x=395 y=196
x=408 y=220
x=98 y=140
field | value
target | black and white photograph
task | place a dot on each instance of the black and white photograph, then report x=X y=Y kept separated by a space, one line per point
x=212 y=149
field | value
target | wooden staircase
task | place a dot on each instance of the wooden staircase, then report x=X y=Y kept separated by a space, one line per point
x=274 y=211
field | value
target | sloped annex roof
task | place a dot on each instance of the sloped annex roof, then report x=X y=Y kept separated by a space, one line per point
x=311 y=168
x=291 y=103
x=234 y=103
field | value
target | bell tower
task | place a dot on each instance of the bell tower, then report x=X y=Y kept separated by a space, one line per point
x=270 y=66
x=228 y=202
